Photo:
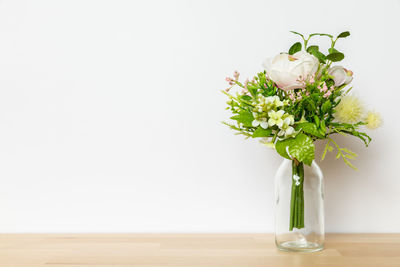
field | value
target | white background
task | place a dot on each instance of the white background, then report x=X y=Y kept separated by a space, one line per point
x=110 y=115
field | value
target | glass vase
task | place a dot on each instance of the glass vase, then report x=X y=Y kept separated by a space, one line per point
x=299 y=221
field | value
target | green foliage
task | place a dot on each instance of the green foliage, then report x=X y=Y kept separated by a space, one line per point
x=244 y=117
x=305 y=114
x=343 y=153
x=326 y=106
x=296 y=47
x=260 y=132
x=301 y=148
x=310 y=128
x=333 y=50
x=344 y=34
x=314 y=50
x=335 y=56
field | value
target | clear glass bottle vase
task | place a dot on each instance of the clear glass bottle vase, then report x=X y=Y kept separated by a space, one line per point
x=299 y=221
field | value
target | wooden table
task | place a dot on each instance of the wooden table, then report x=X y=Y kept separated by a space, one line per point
x=185 y=250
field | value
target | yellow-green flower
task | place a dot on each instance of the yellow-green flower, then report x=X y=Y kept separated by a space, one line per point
x=286 y=129
x=275 y=118
x=349 y=110
x=373 y=120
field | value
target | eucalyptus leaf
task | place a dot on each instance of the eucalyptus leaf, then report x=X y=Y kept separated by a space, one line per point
x=314 y=50
x=344 y=34
x=296 y=47
x=337 y=56
x=333 y=50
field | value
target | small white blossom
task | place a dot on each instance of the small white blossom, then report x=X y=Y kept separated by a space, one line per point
x=286 y=129
x=275 y=118
x=260 y=122
x=296 y=178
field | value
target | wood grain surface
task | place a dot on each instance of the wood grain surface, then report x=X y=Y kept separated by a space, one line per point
x=182 y=250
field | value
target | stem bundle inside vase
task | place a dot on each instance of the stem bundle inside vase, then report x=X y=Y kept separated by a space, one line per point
x=297 y=196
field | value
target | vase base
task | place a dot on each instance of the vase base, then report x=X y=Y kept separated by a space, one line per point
x=300 y=246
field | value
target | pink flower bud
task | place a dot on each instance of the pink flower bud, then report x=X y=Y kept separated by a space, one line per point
x=246 y=83
x=348 y=72
x=324 y=88
x=327 y=94
x=236 y=75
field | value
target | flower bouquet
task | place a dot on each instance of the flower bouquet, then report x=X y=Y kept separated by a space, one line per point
x=300 y=97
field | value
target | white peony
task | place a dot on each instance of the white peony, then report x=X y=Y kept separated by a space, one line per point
x=340 y=75
x=290 y=71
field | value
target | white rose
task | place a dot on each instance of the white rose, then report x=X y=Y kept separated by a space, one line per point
x=288 y=71
x=340 y=75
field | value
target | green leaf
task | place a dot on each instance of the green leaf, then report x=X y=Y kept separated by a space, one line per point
x=336 y=56
x=314 y=50
x=322 y=128
x=311 y=105
x=296 y=47
x=297 y=33
x=327 y=148
x=301 y=147
x=332 y=50
x=246 y=97
x=260 y=132
x=316 y=119
x=344 y=34
x=326 y=106
x=244 y=117
x=316 y=96
x=310 y=128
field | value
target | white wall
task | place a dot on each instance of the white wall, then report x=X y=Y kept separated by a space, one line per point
x=110 y=115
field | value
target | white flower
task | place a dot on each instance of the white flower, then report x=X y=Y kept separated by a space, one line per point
x=275 y=117
x=296 y=178
x=273 y=102
x=262 y=122
x=290 y=118
x=286 y=129
x=340 y=75
x=289 y=71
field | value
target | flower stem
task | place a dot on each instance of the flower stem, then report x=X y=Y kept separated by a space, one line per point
x=297 y=196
